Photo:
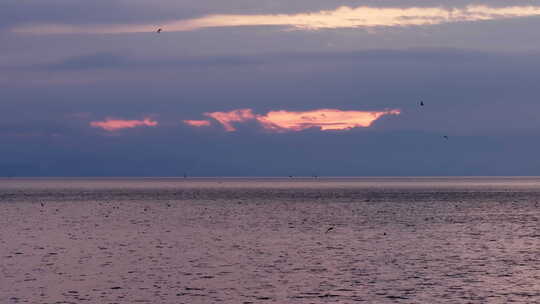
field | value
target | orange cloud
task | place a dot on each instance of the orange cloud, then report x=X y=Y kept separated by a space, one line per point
x=111 y=124
x=325 y=119
x=197 y=123
x=341 y=17
x=284 y=121
x=227 y=118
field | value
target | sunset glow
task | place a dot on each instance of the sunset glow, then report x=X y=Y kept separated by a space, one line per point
x=286 y=121
x=325 y=119
x=341 y=17
x=197 y=123
x=111 y=124
x=227 y=118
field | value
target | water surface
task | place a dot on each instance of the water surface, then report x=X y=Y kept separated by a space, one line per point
x=394 y=240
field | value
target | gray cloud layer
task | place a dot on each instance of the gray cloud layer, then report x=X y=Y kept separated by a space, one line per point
x=479 y=83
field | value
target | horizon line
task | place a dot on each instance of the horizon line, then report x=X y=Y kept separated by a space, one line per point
x=270 y=177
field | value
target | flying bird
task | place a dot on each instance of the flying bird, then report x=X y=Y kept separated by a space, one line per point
x=159 y=30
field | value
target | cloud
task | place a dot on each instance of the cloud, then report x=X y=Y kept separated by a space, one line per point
x=197 y=123
x=287 y=121
x=15 y=12
x=227 y=118
x=342 y=17
x=325 y=119
x=104 y=60
x=92 y=61
x=111 y=124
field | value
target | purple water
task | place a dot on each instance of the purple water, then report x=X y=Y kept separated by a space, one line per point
x=394 y=240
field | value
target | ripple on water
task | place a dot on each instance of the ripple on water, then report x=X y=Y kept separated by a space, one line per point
x=255 y=242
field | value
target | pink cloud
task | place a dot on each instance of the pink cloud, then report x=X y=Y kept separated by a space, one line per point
x=287 y=121
x=197 y=123
x=111 y=124
x=227 y=118
x=325 y=119
x=337 y=18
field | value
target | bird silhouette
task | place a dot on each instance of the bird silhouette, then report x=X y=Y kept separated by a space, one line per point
x=329 y=229
x=159 y=30
x=421 y=103
x=445 y=137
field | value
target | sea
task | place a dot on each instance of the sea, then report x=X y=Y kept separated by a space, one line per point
x=270 y=240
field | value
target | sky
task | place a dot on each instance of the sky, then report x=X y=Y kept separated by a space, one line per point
x=269 y=88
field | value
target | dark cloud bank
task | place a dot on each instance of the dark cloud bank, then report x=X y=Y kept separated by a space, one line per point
x=485 y=101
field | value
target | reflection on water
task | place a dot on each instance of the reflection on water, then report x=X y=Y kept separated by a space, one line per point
x=395 y=240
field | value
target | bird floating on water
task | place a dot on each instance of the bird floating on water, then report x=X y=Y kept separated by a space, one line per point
x=329 y=229
x=159 y=30
x=445 y=137
x=421 y=103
